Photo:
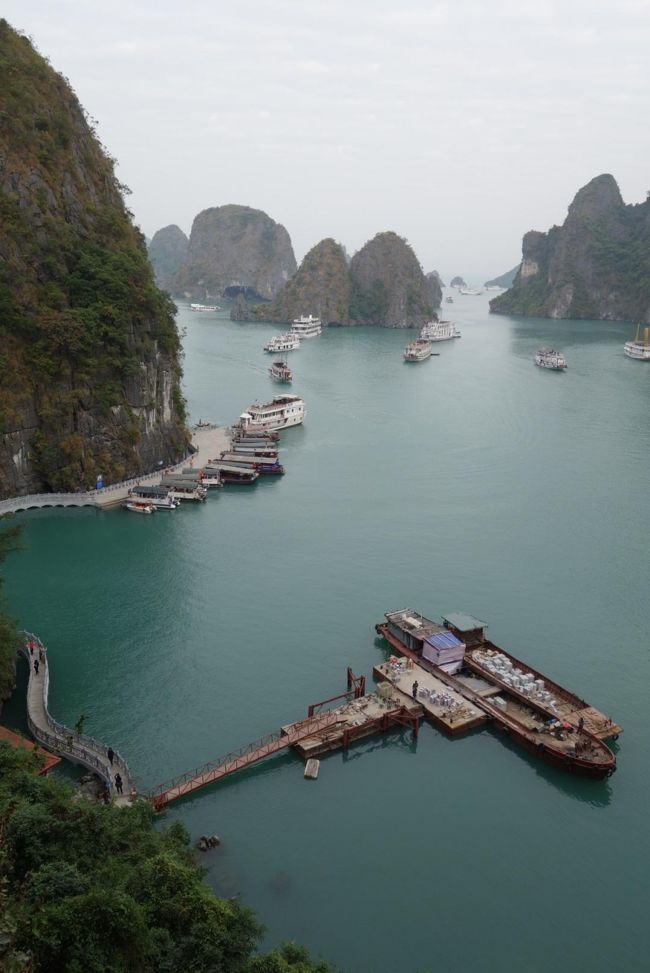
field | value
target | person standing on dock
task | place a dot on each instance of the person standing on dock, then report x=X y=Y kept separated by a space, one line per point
x=414 y=689
x=36 y=666
x=110 y=753
x=118 y=783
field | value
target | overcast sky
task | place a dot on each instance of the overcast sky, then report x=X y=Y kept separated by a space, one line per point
x=460 y=125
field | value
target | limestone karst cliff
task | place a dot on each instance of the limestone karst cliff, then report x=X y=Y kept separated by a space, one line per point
x=89 y=351
x=321 y=286
x=382 y=285
x=503 y=280
x=388 y=287
x=235 y=249
x=167 y=254
x=595 y=266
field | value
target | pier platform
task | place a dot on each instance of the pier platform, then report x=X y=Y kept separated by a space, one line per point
x=442 y=706
x=359 y=718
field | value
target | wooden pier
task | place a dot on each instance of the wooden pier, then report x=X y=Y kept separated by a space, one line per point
x=323 y=730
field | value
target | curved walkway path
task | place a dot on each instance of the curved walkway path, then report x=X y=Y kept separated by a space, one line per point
x=76 y=747
x=208 y=442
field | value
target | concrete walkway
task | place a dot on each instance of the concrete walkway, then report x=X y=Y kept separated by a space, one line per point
x=76 y=747
x=209 y=442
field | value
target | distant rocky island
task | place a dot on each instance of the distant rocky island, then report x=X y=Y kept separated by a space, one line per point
x=505 y=280
x=595 y=266
x=382 y=285
x=90 y=352
x=457 y=282
x=235 y=250
x=168 y=252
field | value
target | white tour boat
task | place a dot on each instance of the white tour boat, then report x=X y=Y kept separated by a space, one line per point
x=280 y=371
x=418 y=350
x=549 y=358
x=155 y=496
x=640 y=350
x=204 y=307
x=283 y=411
x=138 y=507
x=306 y=327
x=470 y=291
x=283 y=342
x=439 y=331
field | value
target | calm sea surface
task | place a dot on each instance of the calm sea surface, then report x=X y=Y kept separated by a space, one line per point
x=473 y=481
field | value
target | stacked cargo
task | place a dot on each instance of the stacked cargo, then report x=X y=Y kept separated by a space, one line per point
x=523 y=682
x=444 y=650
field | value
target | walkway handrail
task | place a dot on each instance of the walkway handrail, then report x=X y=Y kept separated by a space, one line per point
x=60 y=738
x=81 y=497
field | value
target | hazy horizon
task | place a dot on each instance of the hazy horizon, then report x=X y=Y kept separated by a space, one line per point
x=459 y=126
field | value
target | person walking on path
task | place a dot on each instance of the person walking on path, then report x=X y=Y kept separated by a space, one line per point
x=36 y=666
x=110 y=753
x=41 y=656
x=414 y=689
x=118 y=783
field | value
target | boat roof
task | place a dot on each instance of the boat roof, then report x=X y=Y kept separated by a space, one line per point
x=231 y=468
x=443 y=640
x=150 y=491
x=464 y=622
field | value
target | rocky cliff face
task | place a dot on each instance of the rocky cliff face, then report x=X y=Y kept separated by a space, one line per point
x=457 y=282
x=382 y=285
x=236 y=249
x=595 y=266
x=89 y=349
x=320 y=287
x=504 y=280
x=167 y=254
x=436 y=283
x=388 y=287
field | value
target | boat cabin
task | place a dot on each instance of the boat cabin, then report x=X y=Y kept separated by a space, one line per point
x=468 y=629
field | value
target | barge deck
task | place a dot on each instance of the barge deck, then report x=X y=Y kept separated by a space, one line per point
x=443 y=706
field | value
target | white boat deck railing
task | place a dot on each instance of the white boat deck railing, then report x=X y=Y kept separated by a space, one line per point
x=77 y=747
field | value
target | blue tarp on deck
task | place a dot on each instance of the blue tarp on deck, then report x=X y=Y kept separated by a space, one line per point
x=443 y=640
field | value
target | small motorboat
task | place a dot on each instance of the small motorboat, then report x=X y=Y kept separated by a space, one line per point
x=280 y=371
x=138 y=506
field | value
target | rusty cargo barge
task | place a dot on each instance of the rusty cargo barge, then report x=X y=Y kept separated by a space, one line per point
x=548 y=720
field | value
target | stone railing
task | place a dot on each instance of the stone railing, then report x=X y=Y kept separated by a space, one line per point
x=77 y=747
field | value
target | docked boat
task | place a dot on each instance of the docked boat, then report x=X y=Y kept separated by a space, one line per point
x=204 y=477
x=138 y=506
x=280 y=371
x=439 y=331
x=283 y=411
x=231 y=473
x=204 y=307
x=267 y=450
x=418 y=350
x=639 y=349
x=264 y=465
x=184 y=488
x=541 y=716
x=256 y=437
x=549 y=358
x=283 y=342
x=158 y=496
x=306 y=327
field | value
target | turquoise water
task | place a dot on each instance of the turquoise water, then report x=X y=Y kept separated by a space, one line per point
x=471 y=481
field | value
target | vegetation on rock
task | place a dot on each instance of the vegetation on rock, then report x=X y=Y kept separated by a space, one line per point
x=457 y=282
x=90 y=365
x=595 y=266
x=321 y=287
x=86 y=888
x=504 y=280
x=382 y=285
x=167 y=253
x=235 y=249
x=388 y=286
